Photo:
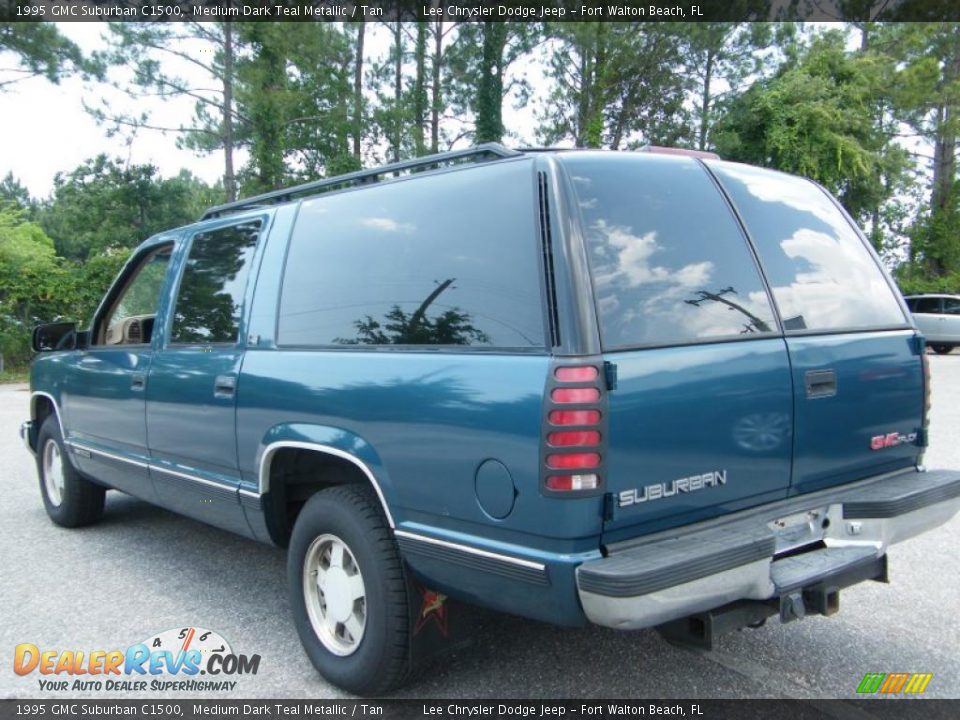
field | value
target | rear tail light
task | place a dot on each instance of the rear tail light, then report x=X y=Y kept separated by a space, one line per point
x=585 y=373
x=574 y=417
x=571 y=438
x=575 y=395
x=573 y=460
x=566 y=483
x=572 y=455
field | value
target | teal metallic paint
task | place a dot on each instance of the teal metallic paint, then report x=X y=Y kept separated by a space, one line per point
x=879 y=391
x=684 y=411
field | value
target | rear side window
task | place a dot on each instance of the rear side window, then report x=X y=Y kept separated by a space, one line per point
x=449 y=259
x=925 y=305
x=669 y=263
x=210 y=298
x=821 y=273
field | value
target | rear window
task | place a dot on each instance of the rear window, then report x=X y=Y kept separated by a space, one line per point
x=822 y=275
x=669 y=263
x=449 y=259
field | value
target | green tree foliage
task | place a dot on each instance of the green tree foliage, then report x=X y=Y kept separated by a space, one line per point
x=40 y=50
x=817 y=116
x=719 y=57
x=478 y=65
x=32 y=282
x=295 y=88
x=103 y=203
x=209 y=50
x=614 y=84
x=927 y=96
x=415 y=88
x=13 y=191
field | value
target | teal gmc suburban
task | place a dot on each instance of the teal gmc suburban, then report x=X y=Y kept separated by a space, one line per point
x=646 y=389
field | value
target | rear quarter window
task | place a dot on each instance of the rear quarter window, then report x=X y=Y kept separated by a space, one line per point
x=442 y=260
x=821 y=273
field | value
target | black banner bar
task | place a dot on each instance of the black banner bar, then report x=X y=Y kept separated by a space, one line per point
x=164 y=709
x=480 y=10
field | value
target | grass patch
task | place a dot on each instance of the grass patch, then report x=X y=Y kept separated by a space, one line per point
x=15 y=375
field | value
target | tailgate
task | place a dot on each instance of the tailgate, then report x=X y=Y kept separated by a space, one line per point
x=696 y=432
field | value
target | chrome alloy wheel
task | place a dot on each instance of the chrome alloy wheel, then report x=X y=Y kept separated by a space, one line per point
x=53 y=472
x=334 y=594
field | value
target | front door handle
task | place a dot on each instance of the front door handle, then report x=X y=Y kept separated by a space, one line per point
x=225 y=386
x=138 y=381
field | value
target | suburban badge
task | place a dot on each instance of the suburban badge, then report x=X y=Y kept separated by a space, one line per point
x=665 y=490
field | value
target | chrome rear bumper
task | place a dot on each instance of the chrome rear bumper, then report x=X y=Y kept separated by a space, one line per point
x=700 y=567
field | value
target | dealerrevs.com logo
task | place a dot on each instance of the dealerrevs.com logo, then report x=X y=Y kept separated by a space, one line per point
x=169 y=661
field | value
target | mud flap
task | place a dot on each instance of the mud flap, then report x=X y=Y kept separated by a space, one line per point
x=439 y=625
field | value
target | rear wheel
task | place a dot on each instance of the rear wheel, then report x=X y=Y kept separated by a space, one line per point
x=942 y=349
x=348 y=591
x=70 y=499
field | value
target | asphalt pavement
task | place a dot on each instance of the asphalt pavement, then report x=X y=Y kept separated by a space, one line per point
x=143 y=570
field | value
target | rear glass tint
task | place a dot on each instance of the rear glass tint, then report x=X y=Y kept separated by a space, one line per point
x=669 y=263
x=448 y=259
x=822 y=275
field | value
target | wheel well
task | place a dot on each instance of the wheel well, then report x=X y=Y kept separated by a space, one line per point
x=295 y=475
x=42 y=409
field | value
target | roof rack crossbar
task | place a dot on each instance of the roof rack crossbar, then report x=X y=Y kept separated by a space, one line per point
x=476 y=154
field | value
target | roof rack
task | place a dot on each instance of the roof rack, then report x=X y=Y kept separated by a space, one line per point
x=477 y=154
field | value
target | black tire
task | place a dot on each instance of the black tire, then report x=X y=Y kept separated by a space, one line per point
x=942 y=349
x=80 y=501
x=380 y=660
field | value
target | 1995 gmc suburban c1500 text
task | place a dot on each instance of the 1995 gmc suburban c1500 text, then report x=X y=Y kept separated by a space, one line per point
x=632 y=389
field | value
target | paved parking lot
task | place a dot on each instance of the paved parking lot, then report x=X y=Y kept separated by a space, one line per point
x=143 y=570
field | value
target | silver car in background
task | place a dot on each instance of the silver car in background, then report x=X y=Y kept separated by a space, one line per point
x=938 y=317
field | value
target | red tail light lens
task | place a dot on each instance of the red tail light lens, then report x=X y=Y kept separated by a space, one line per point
x=574 y=417
x=572 y=430
x=573 y=437
x=576 y=374
x=573 y=460
x=575 y=395
x=573 y=482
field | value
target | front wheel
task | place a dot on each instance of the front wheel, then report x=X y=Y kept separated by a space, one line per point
x=348 y=591
x=70 y=499
x=942 y=349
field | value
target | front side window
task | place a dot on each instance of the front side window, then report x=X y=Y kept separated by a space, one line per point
x=669 y=263
x=210 y=298
x=951 y=306
x=130 y=319
x=442 y=260
x=821 y=273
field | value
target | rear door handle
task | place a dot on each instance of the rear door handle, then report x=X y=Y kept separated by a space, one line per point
x=224 y=386
x=138 y=381
x=821 y=383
